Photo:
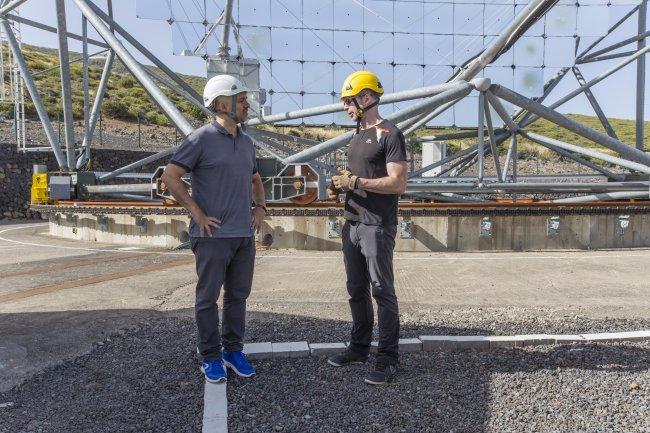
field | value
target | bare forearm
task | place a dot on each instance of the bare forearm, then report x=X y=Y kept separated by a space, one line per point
x=179 y=190
x=259 y=197
x=382 y=185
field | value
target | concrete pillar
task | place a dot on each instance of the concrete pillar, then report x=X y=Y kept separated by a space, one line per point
x=433 y=151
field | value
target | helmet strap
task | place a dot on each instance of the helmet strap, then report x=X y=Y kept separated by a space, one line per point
x=361 y=111
x=233 y=108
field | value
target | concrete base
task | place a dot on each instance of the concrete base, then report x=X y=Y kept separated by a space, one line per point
x=417 y=231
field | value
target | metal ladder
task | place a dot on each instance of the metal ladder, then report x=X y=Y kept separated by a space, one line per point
x=12 y=89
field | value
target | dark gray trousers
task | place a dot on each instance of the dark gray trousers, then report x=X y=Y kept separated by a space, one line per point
x=226 y=262
x=368 y=257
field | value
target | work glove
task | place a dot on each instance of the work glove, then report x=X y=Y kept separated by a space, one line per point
x=332 y=191
x=345 y=181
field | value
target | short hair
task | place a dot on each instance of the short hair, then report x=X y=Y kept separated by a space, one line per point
x=372 y=93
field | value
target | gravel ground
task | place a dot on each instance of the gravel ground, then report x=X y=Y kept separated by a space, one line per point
x=146 y=379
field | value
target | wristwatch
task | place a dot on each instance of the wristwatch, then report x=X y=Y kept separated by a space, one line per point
x=262 y=206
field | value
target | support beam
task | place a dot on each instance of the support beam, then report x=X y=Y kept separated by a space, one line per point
x=9 y=7
x=134 y=67
x=22 y=20
x=594 y=104
x=545 y=141
x=481 y=132
x=511 y=155
x=573 y=126
x=66 y=85
x=501 y=111
x=606 y=57
x=460 y=90
x=85 y=152
x=99 y=97
x=405 y=95
x=640 y=78
x=638 y=38
x=619 y=195
x=36 y=97
x=563 y=152
x=493 y=144
x=224 y=49
x=138 y=46
x=591 y=83
x=472 y=69
x=611 y=29
x=531 y=188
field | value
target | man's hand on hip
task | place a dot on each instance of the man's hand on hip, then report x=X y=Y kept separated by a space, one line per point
x=206 y=223
x=345 y=181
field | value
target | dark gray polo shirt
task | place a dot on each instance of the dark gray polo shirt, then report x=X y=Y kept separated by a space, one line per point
x=222 y=169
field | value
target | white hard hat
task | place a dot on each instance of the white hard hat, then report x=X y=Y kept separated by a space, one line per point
x=222 y=85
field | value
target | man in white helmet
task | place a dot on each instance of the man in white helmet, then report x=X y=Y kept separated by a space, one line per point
x=226 y=208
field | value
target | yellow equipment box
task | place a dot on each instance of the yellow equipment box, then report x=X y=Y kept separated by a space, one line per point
x=39 y=188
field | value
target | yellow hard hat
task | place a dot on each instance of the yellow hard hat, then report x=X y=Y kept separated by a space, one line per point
x=358 y=81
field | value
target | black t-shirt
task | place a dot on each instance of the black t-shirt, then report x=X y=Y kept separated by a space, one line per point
x=368 y=153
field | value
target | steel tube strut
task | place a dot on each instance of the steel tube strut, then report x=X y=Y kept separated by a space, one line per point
x=460 y=90
x=589 y=152
x=505 y=187
x=99 y=96
x=51 y=29
x=334 y=108
x=138 y=71
x=493 y=144
x=85 y=151
x=486 y=57
x=642 y=35
x=66 y=85
x=640 y=78
x=592 y=82
x=611 y=29
x=225 y=34
x=553 y=145
x=606 y=57
x=9 y=7
x=594 y=104
x=481 y=132
x=130 y=187
x=33 y=92
x=617 y=195
x=571 y=125
x=138 y=46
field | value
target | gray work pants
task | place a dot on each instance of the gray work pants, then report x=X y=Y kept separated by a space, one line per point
x=226 y=262
x=368 y=257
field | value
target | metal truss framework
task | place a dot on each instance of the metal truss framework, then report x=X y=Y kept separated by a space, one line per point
x=428 y=102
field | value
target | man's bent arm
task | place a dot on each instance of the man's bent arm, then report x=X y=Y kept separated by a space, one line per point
x=394 y=183
x=172 y=178
x=259 y=197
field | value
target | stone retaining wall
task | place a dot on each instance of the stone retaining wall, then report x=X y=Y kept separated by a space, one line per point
x=16 y=174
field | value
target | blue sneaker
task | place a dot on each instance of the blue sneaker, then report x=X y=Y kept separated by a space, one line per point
x=238 y=363
x=214 y=370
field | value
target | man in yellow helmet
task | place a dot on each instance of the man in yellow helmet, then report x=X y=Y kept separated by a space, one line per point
x=375 y=177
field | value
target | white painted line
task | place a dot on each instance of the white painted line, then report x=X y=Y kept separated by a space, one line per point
x=215 y=408
x=130 y=248
x=586 y=256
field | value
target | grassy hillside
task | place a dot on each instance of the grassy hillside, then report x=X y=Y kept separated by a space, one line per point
x=124 y=99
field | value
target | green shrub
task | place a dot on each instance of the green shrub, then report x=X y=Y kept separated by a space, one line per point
x=195 y=112
x=127 y=82
x=116 y=109
x=161 y=120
